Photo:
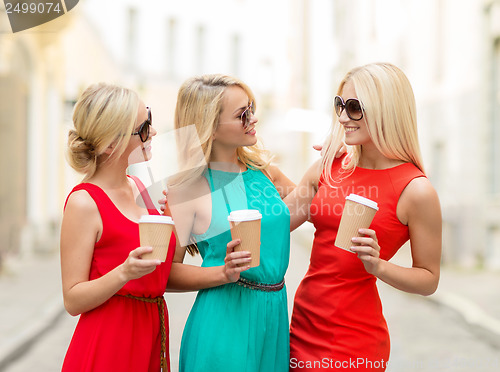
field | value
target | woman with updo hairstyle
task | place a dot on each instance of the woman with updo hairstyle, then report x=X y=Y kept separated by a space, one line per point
x=123 y=323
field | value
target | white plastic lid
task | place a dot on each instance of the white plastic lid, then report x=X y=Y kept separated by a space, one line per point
x=244 y=215
x=148 y=218
x=362 y=200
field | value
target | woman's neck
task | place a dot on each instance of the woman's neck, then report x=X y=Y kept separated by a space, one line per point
x=112 y=175
x=371 y=158
x=226 y=159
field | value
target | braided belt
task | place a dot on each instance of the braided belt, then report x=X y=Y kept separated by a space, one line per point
x=160 y=301
x=261 y=286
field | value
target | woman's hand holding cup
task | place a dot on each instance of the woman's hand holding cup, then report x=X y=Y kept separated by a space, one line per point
x=235 y=262
x=135 y=267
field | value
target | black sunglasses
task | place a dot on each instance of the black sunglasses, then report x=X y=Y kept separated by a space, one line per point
x=246 y=115
x=352 y=106
x=143 y=131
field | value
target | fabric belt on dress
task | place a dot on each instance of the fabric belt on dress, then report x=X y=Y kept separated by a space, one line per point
x=261 y=286
x=160 y=301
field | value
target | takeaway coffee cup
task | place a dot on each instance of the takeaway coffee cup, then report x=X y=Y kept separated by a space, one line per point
x=155 y=231
x=245 y=225
x=358 y=213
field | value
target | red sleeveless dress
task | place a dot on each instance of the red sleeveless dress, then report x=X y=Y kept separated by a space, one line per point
x=122 y=334
x=337 y=321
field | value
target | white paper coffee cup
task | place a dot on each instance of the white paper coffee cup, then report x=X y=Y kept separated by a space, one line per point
x=358 y=213
x=245 y=225
x=155 y=231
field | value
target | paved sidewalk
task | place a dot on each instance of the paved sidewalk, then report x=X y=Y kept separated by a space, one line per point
x=472 y=293
x=30 y=302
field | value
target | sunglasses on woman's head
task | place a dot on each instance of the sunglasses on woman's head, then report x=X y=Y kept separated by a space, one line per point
x=246 y=115
x=352 y=107
x=143 y=130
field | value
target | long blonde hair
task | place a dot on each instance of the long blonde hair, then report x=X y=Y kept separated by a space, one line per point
x=197 y=113
x=199 y=105
x=104 y=114
x=390 y=111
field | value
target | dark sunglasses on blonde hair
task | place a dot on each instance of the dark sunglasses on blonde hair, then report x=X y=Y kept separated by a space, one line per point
x=143 y=130
x=352 y=107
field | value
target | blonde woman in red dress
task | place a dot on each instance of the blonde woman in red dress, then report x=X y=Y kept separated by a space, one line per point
x=337 y=321
x=123 y=323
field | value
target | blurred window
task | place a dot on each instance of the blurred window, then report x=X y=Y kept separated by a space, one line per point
x=132 y=38
x=235 y=54
x=495 y=116
x=171 y=47
x=200 y=48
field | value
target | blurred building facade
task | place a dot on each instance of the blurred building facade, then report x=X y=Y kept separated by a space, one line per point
x=450 y=50
x=31 y=107
x=292 y=53
x=40 y=78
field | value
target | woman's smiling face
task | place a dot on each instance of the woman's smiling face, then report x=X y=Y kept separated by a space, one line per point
x=230 y=131
x=356 y=132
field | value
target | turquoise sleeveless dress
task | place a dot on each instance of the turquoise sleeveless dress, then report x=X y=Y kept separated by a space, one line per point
x=233 y=327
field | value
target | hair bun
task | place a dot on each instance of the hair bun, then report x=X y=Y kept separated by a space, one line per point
x=81 y=153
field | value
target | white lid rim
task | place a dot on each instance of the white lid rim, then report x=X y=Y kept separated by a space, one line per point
x=156 y=219
x=244 y=215
x=362 y=200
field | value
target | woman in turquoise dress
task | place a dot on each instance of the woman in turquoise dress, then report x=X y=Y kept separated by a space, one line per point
x=239 y=321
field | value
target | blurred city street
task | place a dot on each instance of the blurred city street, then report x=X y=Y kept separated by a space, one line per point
x=293 y=62
x=439 y=333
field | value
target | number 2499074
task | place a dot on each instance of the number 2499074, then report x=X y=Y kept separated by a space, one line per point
x=33 y=7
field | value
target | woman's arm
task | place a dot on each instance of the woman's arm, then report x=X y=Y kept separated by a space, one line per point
x=282 y=183
x=419 y=208
x=299 y=200
x=185 y=277
x=77 y=247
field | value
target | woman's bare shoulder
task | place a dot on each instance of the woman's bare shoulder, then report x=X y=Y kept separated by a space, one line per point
x=82 y=202
x=419 y=200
